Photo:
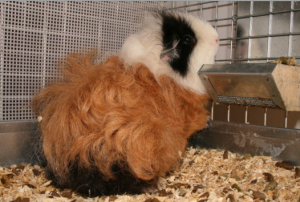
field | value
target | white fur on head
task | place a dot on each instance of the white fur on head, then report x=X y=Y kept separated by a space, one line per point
x=146 y=47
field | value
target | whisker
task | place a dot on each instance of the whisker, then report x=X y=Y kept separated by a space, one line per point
x=174 y=46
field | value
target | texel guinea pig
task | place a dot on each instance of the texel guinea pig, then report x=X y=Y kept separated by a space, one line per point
x=115 y=127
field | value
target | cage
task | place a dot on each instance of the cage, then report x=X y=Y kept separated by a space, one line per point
x=35 y=35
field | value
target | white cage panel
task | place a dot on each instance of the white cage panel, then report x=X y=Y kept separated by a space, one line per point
x=34 y=36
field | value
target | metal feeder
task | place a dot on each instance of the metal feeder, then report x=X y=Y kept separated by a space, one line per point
x=253 y=84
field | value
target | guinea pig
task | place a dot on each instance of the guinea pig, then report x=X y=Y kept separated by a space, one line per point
x=115 y=127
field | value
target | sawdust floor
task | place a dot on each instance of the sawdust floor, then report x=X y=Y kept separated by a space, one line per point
x=205 y=175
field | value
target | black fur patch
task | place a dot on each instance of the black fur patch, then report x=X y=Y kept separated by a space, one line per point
x=91 y=183
x=177 y=30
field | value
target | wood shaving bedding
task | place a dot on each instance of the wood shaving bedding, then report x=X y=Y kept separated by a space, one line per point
x=205 y=175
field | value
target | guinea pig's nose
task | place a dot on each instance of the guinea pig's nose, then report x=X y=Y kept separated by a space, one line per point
x=217 y=40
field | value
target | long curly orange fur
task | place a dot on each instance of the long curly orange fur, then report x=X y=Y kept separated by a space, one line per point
x=107 y=113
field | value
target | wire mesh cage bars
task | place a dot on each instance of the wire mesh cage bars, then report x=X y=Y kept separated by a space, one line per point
x=34 y=36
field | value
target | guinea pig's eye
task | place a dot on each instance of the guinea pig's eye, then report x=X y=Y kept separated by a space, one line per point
x=187 y=39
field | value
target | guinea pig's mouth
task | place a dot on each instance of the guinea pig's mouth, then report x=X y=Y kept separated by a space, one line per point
x=165 y=56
